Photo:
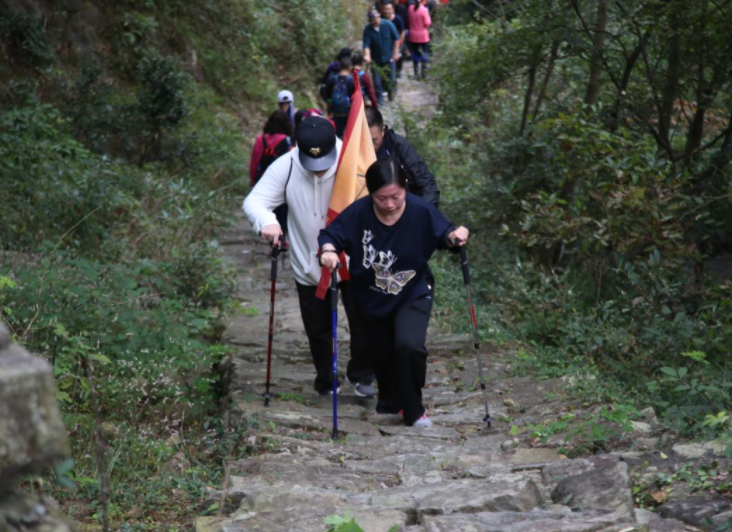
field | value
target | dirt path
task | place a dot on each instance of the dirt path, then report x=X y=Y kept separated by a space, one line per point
x=459 y=475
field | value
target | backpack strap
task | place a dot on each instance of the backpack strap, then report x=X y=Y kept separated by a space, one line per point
x=289 y=175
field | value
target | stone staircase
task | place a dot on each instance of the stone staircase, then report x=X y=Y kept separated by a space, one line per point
x=459 y=475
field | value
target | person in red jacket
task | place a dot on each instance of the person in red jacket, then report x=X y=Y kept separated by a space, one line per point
x=419 y=36
x=277 y=133
x=275 y=141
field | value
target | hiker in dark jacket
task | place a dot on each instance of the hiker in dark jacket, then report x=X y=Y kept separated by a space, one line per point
x=387 y=143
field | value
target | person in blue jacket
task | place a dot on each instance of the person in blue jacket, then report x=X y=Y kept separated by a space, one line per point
x=390 y=236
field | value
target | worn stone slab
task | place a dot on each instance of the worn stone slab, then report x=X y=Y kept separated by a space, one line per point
x=534 y=521
x=32 y=435
x=502 y=492
x=605 y=487
x=436 y=432
x=302 y=509
x=705 y=512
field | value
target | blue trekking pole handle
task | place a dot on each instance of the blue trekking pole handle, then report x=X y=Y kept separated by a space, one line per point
x=334 y=312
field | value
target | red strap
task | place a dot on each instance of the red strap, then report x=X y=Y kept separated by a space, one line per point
x=325 y=275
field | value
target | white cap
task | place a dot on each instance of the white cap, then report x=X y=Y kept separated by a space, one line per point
x=284 y=97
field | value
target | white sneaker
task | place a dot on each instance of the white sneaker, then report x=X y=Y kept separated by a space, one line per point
x=363 y=390
x=423 y=422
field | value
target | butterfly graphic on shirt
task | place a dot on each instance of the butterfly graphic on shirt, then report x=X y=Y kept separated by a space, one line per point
x=392 y=283
x=369 y=253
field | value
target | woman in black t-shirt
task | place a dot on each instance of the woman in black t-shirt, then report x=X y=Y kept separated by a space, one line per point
x=390 y=236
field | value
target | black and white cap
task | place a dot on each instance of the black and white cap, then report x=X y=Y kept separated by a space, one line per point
x=316 y=143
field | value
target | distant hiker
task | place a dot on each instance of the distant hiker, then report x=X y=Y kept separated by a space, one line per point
x=419 y=36
x=286 y=103
x=390 y=145
x=388 y=13
x=381 y=49
x=338 y=92
x=274 y=142
x=364 y=78
x=332 y=69
x=400 y=8
x=303 y=178
x=302 y=114
x=378 y=233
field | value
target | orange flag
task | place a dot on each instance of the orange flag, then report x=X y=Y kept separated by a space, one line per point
x=357 y=154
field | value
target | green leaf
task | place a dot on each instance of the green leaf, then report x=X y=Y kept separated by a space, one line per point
x=669 y=371
x=65 y=466
x=100 y=358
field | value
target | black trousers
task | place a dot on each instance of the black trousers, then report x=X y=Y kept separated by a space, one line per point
x=317 y=318
x=397 y=345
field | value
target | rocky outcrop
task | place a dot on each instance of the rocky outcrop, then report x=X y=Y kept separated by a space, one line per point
x=32 y=438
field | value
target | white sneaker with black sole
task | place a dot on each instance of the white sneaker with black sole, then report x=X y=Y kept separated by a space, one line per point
x=363 y=390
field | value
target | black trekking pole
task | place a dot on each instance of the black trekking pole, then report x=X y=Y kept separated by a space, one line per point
x=334 y=311
x=273 y=276
x=474 y=325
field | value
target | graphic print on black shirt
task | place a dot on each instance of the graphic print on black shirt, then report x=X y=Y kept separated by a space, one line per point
x=387 y=282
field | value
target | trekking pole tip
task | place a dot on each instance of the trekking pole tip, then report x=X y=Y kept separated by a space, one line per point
x=335 y=436
x=267 y=397
x=488 y=420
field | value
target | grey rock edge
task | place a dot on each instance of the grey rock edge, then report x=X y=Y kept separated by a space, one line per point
x=32 y=438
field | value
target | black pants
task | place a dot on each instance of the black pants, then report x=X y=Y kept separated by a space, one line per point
x=317 y=318
x=397 y=344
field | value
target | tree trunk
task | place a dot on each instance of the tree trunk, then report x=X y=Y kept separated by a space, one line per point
x=547 y=76
x=529 y=93
x=704 y=97
x=625 y=80
x=598 y=45
x=671 y=87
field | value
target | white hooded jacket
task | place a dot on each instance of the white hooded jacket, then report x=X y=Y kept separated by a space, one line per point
x=307 y=197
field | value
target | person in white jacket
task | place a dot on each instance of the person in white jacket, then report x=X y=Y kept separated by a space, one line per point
x=303 y=178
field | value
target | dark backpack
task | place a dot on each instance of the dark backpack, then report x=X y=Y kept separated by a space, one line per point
x=340 y=102
x=271 y=153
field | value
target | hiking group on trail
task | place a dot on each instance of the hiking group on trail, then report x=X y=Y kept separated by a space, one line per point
x=398 y=220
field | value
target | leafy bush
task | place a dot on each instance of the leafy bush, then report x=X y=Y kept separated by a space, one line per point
x=52 y=186
x=590 y=242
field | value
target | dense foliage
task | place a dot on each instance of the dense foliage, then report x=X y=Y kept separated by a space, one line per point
x=591 y=142
x=124 y=136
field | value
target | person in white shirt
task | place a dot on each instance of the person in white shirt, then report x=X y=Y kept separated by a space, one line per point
x=303 y=179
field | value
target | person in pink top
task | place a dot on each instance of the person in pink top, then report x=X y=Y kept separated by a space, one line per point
x=419 y=36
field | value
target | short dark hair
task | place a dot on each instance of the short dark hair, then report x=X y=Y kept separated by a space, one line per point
x=385 y=172
x=373 y=117
x=357 y=58
x=278 y=122
x=345 y=64
x=345 y=52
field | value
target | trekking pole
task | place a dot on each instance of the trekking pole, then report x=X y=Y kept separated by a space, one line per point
x=474 y=325
x=334 y=311
x=273 y=276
